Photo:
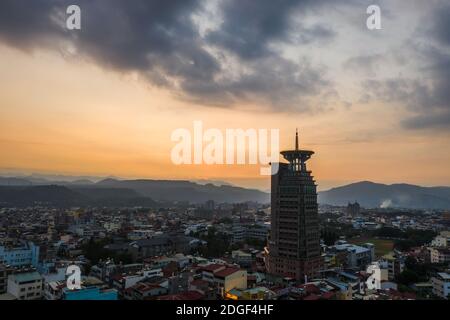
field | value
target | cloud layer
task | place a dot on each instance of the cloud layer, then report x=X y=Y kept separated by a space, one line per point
x=221 y=53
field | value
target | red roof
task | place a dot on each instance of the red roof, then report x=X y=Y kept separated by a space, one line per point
x=226 y=272
x=310 y=288
x=212 y=267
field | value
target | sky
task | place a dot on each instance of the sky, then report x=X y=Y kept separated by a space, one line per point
x=104 y=100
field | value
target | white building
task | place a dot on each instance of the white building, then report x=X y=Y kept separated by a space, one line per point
x=54 y=290
x=357 y=256
x=257 y=231
x=111 y=226
x=439 y=255
x=394 y=264
x=123 y=282
x=26 y=286
x=371 y=225
x=441 y=285
x=442 y=240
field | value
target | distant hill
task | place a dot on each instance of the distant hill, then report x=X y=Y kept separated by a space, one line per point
x=116 y=192
x=372 y=195
x=178 y=190
x=14 y=182
x=33 y=181
x=61 y=196
x=46 y=195
x=214 y=182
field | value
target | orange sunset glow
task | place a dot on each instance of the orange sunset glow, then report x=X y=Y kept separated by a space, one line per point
x=68 y=113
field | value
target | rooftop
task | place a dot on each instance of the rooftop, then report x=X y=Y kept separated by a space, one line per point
x=444 y=275
x=212 y=267
x=351 y=247
x=25 y=277
x=226 y=272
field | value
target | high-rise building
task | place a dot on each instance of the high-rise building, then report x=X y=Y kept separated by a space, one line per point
x=353 y=209
x=294 y=243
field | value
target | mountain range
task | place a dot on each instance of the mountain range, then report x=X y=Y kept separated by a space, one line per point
x=143 y=192
x=114 y=192
x=373 y=195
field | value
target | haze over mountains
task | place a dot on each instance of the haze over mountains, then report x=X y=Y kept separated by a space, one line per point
x=20 y=191
x=372 y=195
x=110 y=192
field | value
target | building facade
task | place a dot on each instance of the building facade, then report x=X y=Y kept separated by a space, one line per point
x=394 y=264
x=294 y=243
x=439 y=255
x=353 y=209
x=5 y=271
x=357 y=256
x=441 y=285
x=26 y=285
x=442 y=240
x=20 y=254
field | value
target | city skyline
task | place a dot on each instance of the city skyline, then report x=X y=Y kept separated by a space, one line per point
x=228 y=157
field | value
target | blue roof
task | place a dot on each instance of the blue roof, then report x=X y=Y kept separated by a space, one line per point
x=348 y=275
x=337 y=283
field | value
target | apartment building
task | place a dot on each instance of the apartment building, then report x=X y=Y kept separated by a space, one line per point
x=26 y=285
x=19 y=254
x=441 y=285
x=439 y=255
x=5 y=271
x=224 y=277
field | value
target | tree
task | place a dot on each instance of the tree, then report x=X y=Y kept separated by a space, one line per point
x=217 y=244
x=407 y=277
x=329 y=237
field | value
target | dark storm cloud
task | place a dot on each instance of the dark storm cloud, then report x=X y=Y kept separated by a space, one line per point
x=427 y=97
x=274 y=80
x=441 y=25
x=139 y=35
x=250 y=25
x=316 y=33
x=159 y=40
x=434 y=94
x=26 y=23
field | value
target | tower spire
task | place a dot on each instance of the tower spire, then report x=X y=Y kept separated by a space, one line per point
x=296 y=139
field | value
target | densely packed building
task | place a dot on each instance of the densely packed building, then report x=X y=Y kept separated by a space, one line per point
x=175 y=253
